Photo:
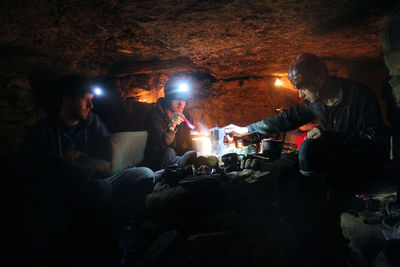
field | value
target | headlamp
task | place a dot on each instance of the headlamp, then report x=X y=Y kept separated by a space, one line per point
x=97 y=91
x=177 y=90
x=183 y=87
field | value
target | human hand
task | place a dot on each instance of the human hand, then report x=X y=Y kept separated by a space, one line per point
x=236 y=130
x=314 y=133
x=177 y=118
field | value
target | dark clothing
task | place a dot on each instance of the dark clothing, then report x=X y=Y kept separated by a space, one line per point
x=54 y=137
x=164 y=147
x=73 y=186
x=355 y=121
x=130 y=187
x=353 y=125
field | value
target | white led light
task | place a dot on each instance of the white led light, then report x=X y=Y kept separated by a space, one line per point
x=98 y=91
x=183 y=87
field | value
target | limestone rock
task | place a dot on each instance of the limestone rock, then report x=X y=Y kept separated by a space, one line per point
x=234 y=50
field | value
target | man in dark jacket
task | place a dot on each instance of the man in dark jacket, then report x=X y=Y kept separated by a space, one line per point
x=169 y=141
x=343 y=152
x=350 y=132
x=64 y=134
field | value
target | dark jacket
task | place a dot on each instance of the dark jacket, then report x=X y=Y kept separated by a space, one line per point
x=161 y=138
x=354 y=122
x=51 y=134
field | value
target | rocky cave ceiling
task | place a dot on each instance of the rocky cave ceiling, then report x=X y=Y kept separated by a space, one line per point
x=227 y=39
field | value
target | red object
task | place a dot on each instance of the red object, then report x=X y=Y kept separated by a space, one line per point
x=191 y=126
x=364 y=197
x=300 y=139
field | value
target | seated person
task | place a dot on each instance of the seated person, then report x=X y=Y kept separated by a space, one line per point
x=169 y=141
x=350 y=134
x=343 y=153
x=73 y=126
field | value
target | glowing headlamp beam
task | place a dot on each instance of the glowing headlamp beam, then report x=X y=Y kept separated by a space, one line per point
x=183 y=87
x=98 y=91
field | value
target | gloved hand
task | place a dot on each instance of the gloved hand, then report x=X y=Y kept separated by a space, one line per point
x=177 y=118
x=252 y=163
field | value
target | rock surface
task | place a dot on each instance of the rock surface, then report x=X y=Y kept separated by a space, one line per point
x=232 y=51
x=227 y=38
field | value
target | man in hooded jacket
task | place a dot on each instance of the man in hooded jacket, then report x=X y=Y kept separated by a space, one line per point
x=169 y=141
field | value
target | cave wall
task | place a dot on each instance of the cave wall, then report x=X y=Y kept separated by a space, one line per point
x=18 y=112
x=390 y=40
x=242 y=100
x=233 y=50
x=218 y=102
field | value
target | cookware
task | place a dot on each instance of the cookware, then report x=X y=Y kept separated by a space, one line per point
x=272 y=148
x=217 y=140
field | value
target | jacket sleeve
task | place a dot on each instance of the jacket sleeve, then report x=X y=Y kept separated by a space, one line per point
x=160 y=134
x=281 y=122
x=99 y=129
x=164 y=135
x=368 y=123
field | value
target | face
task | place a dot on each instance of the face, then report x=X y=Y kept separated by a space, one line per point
x=177 y=105
x=307 y=94
x=81 y=106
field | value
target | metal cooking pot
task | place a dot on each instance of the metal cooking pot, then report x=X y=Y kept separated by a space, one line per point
x=272 y=148
x=230 y=158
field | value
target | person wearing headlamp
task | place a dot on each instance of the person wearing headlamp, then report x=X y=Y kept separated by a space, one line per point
x=169 y=141
x=350 y=134
x=61 y=138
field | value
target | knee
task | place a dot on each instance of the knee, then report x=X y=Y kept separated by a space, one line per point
x=309 y=148
x=311 y=156
x=146 y=174
x=304 y=150
x=141 y=174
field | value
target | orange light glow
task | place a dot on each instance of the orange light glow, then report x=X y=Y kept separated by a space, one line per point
x=144 y=96
x=282 y=81
x=202 y=145
x=125 y=51
x=278 y=82
x=143 y=100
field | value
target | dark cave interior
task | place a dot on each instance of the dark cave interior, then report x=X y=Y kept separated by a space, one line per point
x=232 y=52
